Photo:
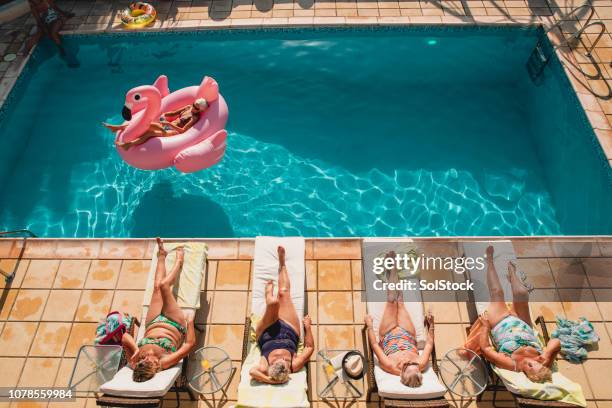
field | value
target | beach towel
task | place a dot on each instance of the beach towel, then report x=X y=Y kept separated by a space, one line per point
x=575 y=337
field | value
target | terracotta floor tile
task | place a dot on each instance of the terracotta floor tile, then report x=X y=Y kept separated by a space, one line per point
x=9 y=266
x=444 y=312
x=50 y=339
x=71 y=274
x=527 y=248
x=81 y=334
x=356 y=275
x=29 y=304
x=229 y=307
x=448 y=336
x=575 y=247
x=359 y=307
x=336 y=337
x=5 y=310
x=94 y=305
x=227 y=337
x=437 y=248
x=123 y=249
x=335 y=307
x=225 y=249
x=40 y=274
x=203 y=315
x=16 y=338
x=28 y=404
x=128 y=301
x=568 y=272
x=6 y=247
x=77 y=403
x=246 y=249
x=64 y=372
x=537 y=271
x=39 y=372
x=133 y=275
x=599 y=373
x=312 y=306
x=103 y=274
x=549 y=304
x=576 y=373
x=604 y=302
x=233 y=275
x=579 y=303
x=334 y=275
x=359 y=339
x=11 y=370
x=61 y=305
x=598 y=271
x=40 y=248
x=79 y=249
x=309 y=244
x=311 y=275
x=337 y=249
x=211 y=275
x=604 y=347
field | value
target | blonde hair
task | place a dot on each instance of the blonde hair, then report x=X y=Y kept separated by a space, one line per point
x=544 y=374
x=143 y=371
x=278 y=371
x=201 y=103
x=412 y=378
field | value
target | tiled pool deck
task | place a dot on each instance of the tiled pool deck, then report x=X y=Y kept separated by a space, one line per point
x=63 y=287
x=588 y=75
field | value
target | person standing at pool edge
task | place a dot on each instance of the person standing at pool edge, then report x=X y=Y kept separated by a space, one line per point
x=50 y=19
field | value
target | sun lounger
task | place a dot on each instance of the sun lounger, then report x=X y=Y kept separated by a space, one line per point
x=122 y=390
x=388 y=386
x=522 y=390
x=294 y=393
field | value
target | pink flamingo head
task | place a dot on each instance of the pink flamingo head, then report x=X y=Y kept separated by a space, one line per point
x=142 y=97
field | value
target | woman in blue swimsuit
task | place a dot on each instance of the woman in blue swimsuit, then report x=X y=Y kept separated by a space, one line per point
x=515 y=343
x=278 y=333
x=169 y=337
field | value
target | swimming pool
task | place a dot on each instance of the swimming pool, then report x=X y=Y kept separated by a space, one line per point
x=333 y=132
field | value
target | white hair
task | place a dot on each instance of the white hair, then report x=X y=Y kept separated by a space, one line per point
x=201 y=103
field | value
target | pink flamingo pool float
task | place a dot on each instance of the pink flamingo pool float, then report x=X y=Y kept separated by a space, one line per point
x=200 y=147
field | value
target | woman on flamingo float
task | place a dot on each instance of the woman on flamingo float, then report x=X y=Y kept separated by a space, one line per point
x=170 y=124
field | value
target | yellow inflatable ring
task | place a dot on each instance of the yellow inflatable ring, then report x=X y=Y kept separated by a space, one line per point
x=138 y=15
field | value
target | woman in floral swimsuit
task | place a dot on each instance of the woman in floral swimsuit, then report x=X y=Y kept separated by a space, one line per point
x=515 y=343
x=397 y=351
x=169 y=337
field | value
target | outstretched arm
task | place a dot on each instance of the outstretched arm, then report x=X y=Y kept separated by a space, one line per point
x=550 y=352
x=429 y=345
x=129 y=345
x=176 y=112
x=301 y=360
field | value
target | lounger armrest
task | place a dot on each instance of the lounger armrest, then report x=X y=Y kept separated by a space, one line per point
x=371 y=381
x=542 y=323
x=245 y=338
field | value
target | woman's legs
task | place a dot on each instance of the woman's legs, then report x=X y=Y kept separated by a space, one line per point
x=390 y=317
x=157 y=301
x=271 y=314
x=520 y=296
x=497 y=309
x=286 y=310
x=170 y=308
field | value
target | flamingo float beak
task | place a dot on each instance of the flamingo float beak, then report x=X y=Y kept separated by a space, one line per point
x=126 y=113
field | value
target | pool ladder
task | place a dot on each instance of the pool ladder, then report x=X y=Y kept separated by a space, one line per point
x=25 y=233
x=540 y=56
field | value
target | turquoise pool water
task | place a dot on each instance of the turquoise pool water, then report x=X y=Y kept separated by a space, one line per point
x=352 y=132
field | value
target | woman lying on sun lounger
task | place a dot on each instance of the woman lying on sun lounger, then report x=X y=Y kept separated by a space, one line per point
x=397 y=351
x=517 y=344
x=278 y=333
x=168 y=337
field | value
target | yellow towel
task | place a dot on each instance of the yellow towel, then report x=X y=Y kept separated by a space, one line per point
x=253 y=394
x=187 y=289
x=560 y=389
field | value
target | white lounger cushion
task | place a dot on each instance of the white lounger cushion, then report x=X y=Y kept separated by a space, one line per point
x=123 y=385
x=294 y=393
x=389 y=385
x=188 y=290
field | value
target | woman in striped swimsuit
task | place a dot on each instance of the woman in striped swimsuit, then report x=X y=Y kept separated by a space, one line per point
x=515 y=343
x=397 y=351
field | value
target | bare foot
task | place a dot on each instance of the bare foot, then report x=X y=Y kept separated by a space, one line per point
x=180 y=254
x=281 y=256
x=161 y=251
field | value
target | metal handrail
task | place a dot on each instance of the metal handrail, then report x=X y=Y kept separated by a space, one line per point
x=19 y=231
x=587 y=23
